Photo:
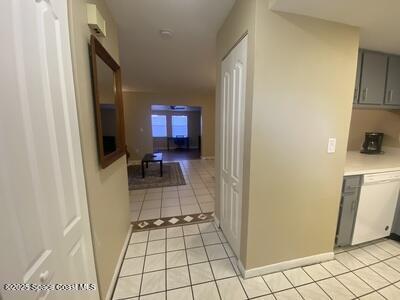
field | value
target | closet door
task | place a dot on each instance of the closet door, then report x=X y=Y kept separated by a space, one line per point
x=233 y=79
x=45 y=234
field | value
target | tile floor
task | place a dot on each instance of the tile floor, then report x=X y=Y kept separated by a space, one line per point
x=196 y=262
x=195 y=197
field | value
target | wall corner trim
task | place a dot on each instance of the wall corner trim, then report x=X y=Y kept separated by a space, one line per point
x=119 y=265
x=285 y=265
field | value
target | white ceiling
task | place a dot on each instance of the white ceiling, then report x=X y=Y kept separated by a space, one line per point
x=379 y=20
x=185 y=62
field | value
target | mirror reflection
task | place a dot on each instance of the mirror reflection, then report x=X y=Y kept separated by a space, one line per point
x=106 y=89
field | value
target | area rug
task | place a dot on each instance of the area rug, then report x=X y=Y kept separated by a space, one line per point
x=172 y=176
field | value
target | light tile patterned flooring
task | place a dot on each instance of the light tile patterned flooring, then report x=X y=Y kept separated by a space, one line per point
x=195 y=197
x=195 y=262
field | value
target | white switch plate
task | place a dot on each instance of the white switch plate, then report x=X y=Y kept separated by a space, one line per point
x=332 y=145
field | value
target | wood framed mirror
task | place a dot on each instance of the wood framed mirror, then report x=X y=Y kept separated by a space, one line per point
x=107 y=95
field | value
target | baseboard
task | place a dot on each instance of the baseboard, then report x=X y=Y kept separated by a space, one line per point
x=134 y=162
x=285 y=265
x=216 y=221
x=118 y=267
x=207 y=157
x=175 y=148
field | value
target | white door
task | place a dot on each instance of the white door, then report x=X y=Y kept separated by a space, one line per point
x=44 y=225
x=233 y=81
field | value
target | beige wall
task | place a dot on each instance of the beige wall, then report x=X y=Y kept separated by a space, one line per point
x=364 y=120
x=107 y=189
x=304 y=75
x=137 y=108
x=194 y=129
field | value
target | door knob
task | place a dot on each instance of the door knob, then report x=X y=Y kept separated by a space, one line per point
x=43 y=277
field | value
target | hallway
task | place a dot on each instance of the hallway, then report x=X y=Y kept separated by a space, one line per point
x=196 y=197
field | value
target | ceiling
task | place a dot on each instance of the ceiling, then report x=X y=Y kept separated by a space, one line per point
x=379 y=21
x=187 y=61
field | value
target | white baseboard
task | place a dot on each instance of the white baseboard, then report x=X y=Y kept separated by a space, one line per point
x=207 y=157
x=216 y=221
x=134 y=162
x=174 y=148
x=285 y=265
x=118 y=266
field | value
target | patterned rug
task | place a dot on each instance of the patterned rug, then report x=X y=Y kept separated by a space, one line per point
x=172 y=176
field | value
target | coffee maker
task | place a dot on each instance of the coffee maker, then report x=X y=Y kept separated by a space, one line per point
x=372 y=143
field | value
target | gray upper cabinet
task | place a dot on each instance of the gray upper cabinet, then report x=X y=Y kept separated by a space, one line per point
x=373 y=78
x=393 y=81
x=358 y=77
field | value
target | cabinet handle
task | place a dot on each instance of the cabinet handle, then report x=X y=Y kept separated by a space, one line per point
x=353 y=206
x=390 y=96
x=365 y=93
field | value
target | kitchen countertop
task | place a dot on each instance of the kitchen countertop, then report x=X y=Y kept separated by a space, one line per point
x=358 y=163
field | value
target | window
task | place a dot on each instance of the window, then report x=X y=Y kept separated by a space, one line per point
x=159 y=125
x=179 y=126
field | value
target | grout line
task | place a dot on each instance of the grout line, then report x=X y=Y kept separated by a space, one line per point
x=144 y=264
x=209 y=262
x=187 y=261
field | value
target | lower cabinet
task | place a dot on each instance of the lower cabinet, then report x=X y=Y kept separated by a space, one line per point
x=348 y=210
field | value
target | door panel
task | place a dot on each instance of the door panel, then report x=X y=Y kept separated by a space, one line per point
x=43 y=194
x=373 y=78
x=393 y=81
x=233 y=79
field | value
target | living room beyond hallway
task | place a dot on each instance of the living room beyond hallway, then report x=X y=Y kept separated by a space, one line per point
x=194 y=199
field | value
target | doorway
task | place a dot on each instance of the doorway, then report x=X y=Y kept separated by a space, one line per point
x=176 y=131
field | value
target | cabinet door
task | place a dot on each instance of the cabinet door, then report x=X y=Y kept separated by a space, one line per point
x=347 y=215
x=393 y=81
x=358 y=77
x=373 y=78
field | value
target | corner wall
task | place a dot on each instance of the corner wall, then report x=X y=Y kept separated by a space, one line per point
x=107 y=190
x=304 y=80
x=137 y=109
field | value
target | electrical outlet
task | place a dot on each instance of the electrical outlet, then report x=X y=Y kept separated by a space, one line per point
x=332 y=145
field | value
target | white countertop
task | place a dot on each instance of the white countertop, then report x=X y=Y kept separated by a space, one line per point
x=358 y=163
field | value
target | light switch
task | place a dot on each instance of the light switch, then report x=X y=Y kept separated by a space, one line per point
x=332 y=145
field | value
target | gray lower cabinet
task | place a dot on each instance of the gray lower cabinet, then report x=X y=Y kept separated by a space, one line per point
x=373 y=78
x=393 y=81
x=348 y=210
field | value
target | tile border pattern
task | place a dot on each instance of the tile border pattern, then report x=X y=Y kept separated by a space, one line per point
x=172 y=221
